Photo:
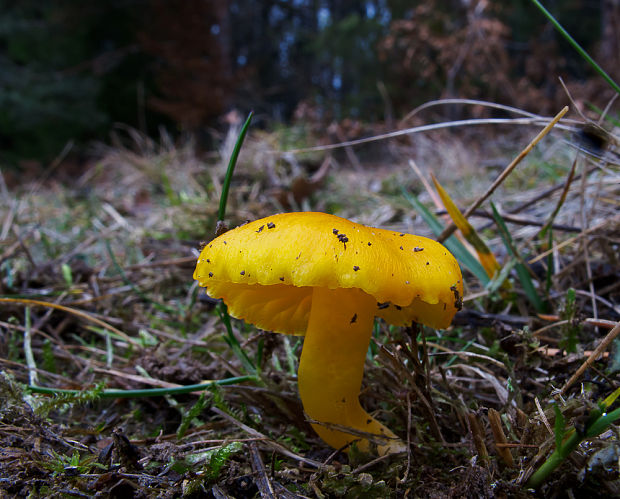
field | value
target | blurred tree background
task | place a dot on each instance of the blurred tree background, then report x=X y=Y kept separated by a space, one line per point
x=70 y=70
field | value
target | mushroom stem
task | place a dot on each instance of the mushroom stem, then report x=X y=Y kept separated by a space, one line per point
x=332 y=366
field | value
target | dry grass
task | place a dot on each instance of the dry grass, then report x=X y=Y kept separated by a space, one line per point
x=113 y=250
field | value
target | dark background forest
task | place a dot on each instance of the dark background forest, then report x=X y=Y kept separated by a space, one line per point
x=71 y=70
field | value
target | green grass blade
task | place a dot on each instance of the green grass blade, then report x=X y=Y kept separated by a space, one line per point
x=576 y=46
x=147 y=392
x=222 y=308
x=602 y=423
x=522 y=272
x=232 y=341
x=485 y=255
x=564 y=447
x=555 y=459
x=610 y=119
x=231 y=167
x=452 y=243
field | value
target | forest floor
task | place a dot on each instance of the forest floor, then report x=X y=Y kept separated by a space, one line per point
x=97 y=296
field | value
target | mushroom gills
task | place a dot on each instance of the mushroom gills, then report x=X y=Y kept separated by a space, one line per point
x=332 y=366
x=278 y=307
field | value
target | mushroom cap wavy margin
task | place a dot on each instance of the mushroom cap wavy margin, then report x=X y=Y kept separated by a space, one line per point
x=265 y=270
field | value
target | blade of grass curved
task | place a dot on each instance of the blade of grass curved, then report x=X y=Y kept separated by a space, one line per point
x=576 y=46
x=603 y=422
x=231 y=167
x=232 y=341
x=485 y=256
x=565 y=446
x=522 y=272
x=222 y=309
x=148 y=392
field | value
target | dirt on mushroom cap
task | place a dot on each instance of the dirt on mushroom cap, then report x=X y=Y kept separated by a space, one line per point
x=264 y=270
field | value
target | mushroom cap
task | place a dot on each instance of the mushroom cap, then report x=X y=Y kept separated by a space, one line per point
x=265 y=270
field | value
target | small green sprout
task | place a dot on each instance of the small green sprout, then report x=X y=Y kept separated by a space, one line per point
x=566 y=442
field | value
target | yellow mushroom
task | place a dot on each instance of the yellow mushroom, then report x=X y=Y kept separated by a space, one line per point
x=327 y=278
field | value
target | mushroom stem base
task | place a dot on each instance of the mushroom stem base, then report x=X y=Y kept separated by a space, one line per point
x=332 y=366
